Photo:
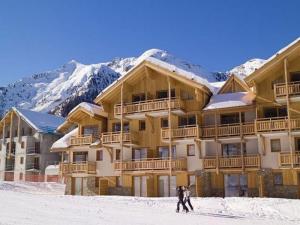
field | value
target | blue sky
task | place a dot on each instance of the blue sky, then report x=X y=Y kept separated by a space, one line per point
x=36 y=36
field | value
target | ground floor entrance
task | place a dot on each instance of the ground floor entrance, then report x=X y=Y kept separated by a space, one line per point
x=236 y=185
x=140 y=186
x=166 y=186
x=78 y=184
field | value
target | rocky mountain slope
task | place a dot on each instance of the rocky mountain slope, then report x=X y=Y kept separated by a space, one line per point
x=60 y=90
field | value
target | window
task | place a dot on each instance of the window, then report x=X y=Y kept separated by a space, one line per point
x=138 y=154
x=97 y=181
x=23 y=131
x=275 y=112
x=117 y=127
x=118 y=154
x=233 y=149
x=191 y=150
x=16 y=133
x=21 y=176
x=278 y=179
x=7 y=134
x=165 y=94
x=164 y=152
x=232 y=118
x=100 y=155
x=275 y=145
x=37 y=147
x=90 y=130
x=21 y=160
x=138 y=97
x=22 y=144
x=192 y=179
x=164 y=123
x=118 y=182
x=297 y=143
x=80 y=156
x=295 y=76
x=189 y=120
x=7 y=145
x=142 y=125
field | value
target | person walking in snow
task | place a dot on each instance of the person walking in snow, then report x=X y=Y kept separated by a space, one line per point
x=180 y=191
x=187 y=199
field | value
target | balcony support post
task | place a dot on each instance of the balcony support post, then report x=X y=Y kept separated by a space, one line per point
x=170 y=124
x=19 y=128
x=121 y=133
x=288 y=111
x=242 y=142
x=218 y=143
x=10 y=133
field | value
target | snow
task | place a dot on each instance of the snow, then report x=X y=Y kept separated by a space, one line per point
x=244 y=70
x=92 y=108
x=64 y=142
x=41 y=122
x=44 y=203
x=230 y=100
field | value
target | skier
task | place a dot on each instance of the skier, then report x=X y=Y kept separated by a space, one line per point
x=180 y=191
x=187 y=195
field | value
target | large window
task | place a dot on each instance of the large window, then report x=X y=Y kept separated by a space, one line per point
x=165 y=94
x=90 y=130
x=80 y=156
x=164 y=152
x=118 y=154
x=297 y=143
x=275 y=145
x=138 y=97
x=278 y=179
x=233 y=149
x=139 y=154
x=295 y=76
x=189 y=120
x=232 y=118
x=117 y=127
x=142 y=125
x=275 y=112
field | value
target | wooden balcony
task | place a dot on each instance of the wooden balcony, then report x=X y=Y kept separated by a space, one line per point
x=77 y=167
x=180 y=133
x=286 y=159
x=232 y=162
x=114 y=138
x=280 y=90
x=276 y=124
x=228 y=130
x=152 y=164
x=82 y=140
x=155 y=107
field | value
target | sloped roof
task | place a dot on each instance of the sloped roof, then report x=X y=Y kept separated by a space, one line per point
x=91 y=108
x=228 y=100
x=64 y=142
x=41 y=122
x=178 y=70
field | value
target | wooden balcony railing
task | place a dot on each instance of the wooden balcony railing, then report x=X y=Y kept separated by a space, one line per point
x=152 y=164
x=286 y=159
x=271 y=124
x=228 y=130
x=115 y=137
x=82 y=140
x=280 y=89
x=78 y=167
x=149 y=105
x=177 y=133
x=232 y=162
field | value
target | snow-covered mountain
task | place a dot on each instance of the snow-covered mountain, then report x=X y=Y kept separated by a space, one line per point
x=60 y=90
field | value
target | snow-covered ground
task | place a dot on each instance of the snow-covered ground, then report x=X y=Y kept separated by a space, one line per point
x=30 y=203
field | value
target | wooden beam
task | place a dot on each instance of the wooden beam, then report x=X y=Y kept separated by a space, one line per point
x=170 y=124
x=121 y=133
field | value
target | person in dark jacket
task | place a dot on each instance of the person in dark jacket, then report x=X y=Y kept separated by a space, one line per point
x=180 y=191
x=187 y=195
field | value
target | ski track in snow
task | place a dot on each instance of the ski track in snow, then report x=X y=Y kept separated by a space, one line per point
x=44 y=203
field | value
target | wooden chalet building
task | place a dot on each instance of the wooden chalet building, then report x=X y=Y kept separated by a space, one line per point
x=159 y=127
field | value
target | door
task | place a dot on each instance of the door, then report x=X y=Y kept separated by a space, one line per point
x=163 y=186
x=144 y=186
x=137 y=186
x=77 y=186
x=173 y=191
x=236 y=185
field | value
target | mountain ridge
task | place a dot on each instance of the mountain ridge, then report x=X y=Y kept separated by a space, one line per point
x=58 y=91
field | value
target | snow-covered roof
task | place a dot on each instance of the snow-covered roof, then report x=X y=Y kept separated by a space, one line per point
x=64 y=142
x=92 y=108
x=41 y=122
x=173 y=64
x=229 y=100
